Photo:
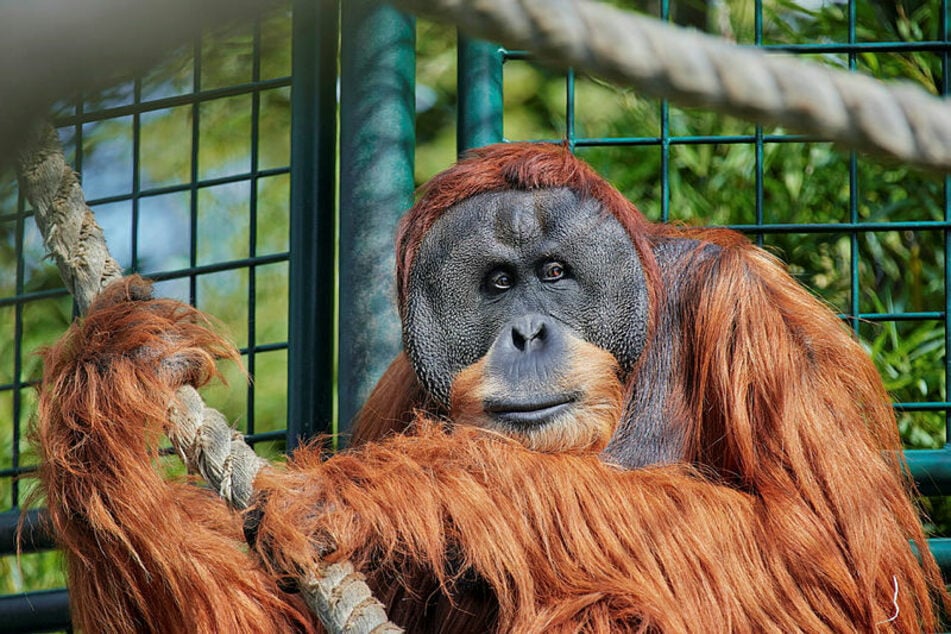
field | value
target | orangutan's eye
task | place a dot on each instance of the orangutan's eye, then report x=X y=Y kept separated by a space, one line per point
x=552 y=271
x=500 y=280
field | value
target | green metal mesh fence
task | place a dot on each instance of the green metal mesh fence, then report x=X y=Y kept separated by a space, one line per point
x=209 y=220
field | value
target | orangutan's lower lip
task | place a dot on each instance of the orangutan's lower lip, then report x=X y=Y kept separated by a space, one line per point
x=525 y=413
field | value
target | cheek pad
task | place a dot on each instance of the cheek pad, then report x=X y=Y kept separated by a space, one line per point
x=611 y=308
x=627 y=300
x=441 y=337
x=424 y=343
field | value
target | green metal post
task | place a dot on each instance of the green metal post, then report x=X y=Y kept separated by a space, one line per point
x=377 y=149
x=313 y=170
x=480 y=94
x=945 y=35
x=931 y=469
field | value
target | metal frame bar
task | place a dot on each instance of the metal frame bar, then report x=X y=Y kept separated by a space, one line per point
x=480 y=105
x=313 y=223
x=377 y=150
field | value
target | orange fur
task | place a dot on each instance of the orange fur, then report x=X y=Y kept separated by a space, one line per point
x=568 y=543
x=786 y=422
x=390 y=406
x=143 y=555
x=791 y=517
x=789 y=513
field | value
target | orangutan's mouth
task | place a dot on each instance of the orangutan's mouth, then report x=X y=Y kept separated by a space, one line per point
x=529 y=413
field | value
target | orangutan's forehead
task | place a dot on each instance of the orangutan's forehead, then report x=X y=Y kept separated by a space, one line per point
x=518 y=216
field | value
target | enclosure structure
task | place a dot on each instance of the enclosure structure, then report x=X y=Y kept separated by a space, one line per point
x=239 y=176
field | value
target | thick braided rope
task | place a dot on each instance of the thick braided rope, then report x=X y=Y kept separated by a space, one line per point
x=70 y=232
x=209 y=446
x=337 y=593
x=694 y=69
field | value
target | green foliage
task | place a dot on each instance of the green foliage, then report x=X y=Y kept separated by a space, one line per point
x=36 y=571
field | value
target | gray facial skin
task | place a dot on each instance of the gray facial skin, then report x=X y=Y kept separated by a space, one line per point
x=489 y=260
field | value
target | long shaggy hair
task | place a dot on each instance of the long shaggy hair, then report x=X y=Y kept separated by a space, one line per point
x=143 y=554
x=783 y=415
x=788 y=513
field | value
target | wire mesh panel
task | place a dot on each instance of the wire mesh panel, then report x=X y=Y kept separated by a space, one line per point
x=188 y=171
